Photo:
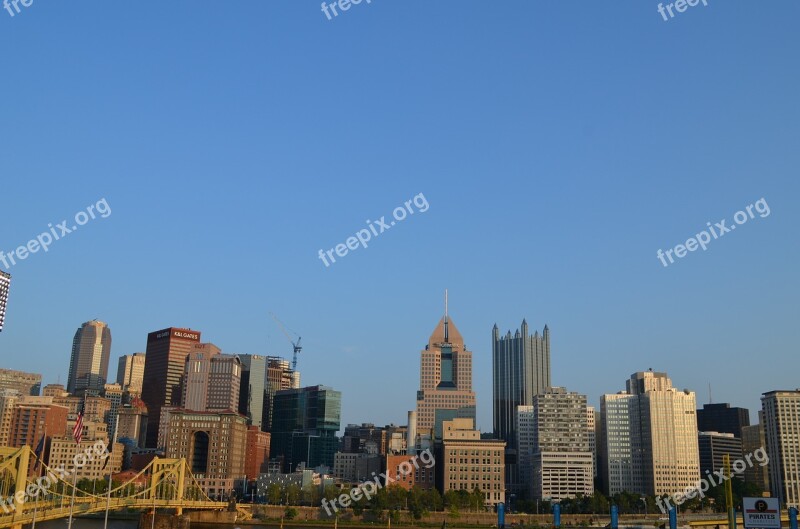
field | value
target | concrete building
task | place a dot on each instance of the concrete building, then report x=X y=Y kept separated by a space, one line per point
x=25 y=383
x=723 y=419
x=5 y=285
x=96 y=408
x=520 y=370
x=464 y=461
x=591 y=426
x=753 y=438
x=445 y=380
x=32 y=417
x=8 y=400
x=280 y=377
x=214 y=443
x=366 y=437
x=713 y=447
x=133 y=423
x=781 y=420
x=211 y=381
x=166 y=354
x=63 y=451
x=562 y=460
x=661 y=430
x=619 y=465
x=54 y=390
x=256 y=452
x=304 y=427
x=114 y=394
x=130 y=372
x=88 y=364
x=253 y=391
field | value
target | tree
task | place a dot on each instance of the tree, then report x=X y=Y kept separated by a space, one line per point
x=290 y=513
x=274 y=494
x=292 y=494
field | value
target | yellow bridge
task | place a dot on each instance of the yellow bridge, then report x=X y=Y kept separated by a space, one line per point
x=27 y=497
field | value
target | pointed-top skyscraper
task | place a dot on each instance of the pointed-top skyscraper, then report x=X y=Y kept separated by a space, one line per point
x=520 y=371
x=445 y=379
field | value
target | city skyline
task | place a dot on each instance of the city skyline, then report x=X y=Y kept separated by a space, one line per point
x=593 y=400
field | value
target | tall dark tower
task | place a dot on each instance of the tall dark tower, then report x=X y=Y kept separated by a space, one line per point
x=5 y=284
x=520 y=371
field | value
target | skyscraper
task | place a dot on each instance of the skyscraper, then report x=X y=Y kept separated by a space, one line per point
x=562 y=459
x=211 y=381
x=649 y=434
x=280 y=376
x=722 y=418
x=130 y=372
x=445 y=379
x=714 y=446
x=520 y=371
x=5 y=285
x=253 y=391
x=619 y=465
x=781 y=420
x=304 y=426
x=166 y=354
x=88 y=364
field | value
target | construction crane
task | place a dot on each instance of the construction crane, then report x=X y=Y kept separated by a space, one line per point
x=295 y=345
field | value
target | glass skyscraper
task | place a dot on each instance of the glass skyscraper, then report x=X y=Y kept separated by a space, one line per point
x=520 y=371
x=304 y=426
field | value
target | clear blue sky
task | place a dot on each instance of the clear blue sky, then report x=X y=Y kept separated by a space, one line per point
x=559 y=146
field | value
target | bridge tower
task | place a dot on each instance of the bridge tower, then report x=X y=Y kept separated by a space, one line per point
x=16 y=461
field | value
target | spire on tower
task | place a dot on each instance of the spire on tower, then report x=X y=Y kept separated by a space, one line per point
x=446 y=330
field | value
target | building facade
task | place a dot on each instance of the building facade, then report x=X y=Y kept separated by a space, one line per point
x=63 y=451
x=88 y=364
x=211 y=381
x=130 y=372
x=166 y=354
x=619 y=462
x=256 y=452
x=713 y=447
x=562 y=460
x=132 y=423
x=280 y=376
x=445 y=381
x=25 y=383
x=34 y=417
x=723 y=419
x=5 y=286
x=8 y=400
x=781 y=420
x=753 y=439
x=253 y=391
x=464 y=461
x=214 y=445
x=305 y=423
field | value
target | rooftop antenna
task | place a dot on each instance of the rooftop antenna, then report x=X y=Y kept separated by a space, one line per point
x=446 y=330
x=710 y=399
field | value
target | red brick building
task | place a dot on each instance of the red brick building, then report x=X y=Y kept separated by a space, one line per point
x=257 y=452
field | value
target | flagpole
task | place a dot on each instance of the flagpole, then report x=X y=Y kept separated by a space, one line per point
x=111 y=450
x=72 y=500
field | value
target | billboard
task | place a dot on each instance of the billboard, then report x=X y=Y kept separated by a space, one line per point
x=761 y=513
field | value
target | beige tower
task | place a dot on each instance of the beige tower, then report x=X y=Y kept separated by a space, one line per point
x=445 y=379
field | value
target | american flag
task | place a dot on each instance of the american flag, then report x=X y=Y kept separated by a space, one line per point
x=77 y=432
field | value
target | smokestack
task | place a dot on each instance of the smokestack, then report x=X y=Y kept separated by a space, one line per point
x=411 y=434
